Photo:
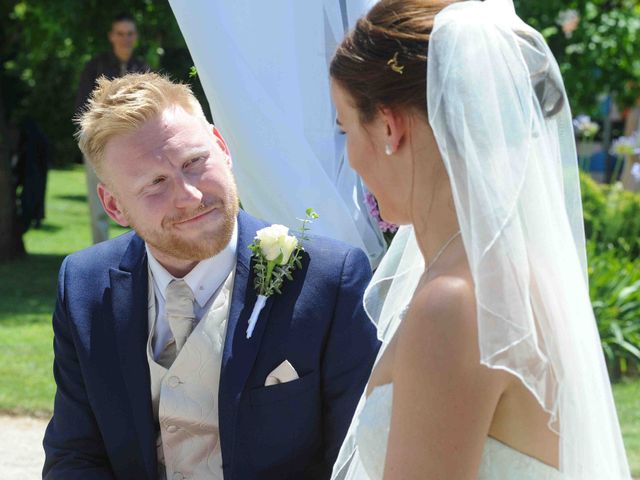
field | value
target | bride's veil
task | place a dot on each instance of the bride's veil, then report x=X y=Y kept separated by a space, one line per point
x=385 y=300
x=501 y=119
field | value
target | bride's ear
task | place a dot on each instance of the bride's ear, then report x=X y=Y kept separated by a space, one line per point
x=395 y=125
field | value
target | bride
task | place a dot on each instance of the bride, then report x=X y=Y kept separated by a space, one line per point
x=457 y=119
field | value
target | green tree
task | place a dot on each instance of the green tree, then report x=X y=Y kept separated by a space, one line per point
x=600 y=56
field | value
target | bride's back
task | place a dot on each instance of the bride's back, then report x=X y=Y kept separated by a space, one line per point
x=512 y=415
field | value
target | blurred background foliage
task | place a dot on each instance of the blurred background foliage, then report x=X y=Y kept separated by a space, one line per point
x=45 y=44
x=612 y=229
x=600 y=56
x=611 y=218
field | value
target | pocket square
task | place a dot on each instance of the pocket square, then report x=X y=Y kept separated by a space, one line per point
x=283 y=373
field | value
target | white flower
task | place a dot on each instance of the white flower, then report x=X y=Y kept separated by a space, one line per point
x=289 y=245
x=276 y=255
x=275 y=240
x=625 y=146
x=569 y=21
x=635 y=172
x=584 y=127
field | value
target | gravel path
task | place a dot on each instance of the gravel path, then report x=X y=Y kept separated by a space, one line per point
x=21 y=454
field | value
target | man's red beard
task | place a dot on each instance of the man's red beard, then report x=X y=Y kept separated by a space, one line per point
x=171 y=242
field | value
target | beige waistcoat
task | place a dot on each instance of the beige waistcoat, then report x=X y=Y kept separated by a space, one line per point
x=185 y=396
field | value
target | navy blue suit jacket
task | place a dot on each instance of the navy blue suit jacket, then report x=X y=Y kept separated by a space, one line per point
x=103 y=425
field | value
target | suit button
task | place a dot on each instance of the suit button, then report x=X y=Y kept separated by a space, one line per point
x=174 y=381
x=178 y=476
x=172 y=429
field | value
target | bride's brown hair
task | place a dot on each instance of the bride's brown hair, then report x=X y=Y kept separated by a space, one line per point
x=382 y=62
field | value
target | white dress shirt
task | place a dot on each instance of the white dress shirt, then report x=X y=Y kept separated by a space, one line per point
x=205 y=281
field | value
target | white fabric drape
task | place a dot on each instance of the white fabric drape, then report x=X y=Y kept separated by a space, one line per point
x=264 y=69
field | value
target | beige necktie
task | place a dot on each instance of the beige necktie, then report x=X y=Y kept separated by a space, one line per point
x=179 y=305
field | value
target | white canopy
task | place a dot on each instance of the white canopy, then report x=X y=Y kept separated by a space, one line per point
x=264 y=69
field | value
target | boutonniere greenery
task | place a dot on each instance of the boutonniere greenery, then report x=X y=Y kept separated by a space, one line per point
x=276 y=254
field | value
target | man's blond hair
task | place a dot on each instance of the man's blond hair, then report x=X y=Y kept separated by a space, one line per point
x=122 y=105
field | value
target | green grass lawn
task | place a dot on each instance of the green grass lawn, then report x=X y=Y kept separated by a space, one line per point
x=627 y=396
x=28 y=296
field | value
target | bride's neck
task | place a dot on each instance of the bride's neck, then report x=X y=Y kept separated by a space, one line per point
x=434 y=215
x=431 y=209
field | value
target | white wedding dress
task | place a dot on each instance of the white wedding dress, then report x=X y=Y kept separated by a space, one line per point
x=499 y=462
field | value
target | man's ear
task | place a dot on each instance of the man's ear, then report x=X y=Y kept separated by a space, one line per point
x=221 y=143
x=395 y=125
x=111 y=205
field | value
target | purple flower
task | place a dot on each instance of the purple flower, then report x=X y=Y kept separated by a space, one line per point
x=387 y=227
x=372 y=206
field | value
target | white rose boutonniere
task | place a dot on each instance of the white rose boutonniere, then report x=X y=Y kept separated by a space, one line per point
x=276 y=254
x=276 y=244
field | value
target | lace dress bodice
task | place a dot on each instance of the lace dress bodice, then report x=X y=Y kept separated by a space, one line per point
x=499 y=461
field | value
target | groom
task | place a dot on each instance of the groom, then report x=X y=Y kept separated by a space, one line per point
x=155 y=375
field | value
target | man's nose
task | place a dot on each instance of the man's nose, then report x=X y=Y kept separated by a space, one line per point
x=187 y=193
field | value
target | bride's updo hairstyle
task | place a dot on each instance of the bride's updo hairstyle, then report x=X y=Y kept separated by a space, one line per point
x=382 y=62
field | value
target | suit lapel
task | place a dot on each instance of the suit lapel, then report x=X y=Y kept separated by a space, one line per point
x=239 y=352
x=129 y=286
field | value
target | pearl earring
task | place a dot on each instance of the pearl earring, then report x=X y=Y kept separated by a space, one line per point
x=387 y=149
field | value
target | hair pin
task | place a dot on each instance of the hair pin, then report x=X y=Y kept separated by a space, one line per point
x=393 y=62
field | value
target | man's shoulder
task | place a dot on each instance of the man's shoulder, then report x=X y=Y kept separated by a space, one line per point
x=335 y=262
x=104 y=254
x=321 y=246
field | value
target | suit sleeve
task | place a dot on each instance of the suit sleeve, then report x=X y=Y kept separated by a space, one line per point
x=72 y=442
x=349 y=355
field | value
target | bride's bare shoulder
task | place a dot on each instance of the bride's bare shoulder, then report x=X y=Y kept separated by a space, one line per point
x=438 y=349
x=448 y=299
x=442 y=319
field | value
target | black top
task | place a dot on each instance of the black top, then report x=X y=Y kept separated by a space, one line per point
x=110 y=66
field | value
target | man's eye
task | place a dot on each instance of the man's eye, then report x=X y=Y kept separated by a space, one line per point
x=342 y=132
x=157 y=181
x=194 y=161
